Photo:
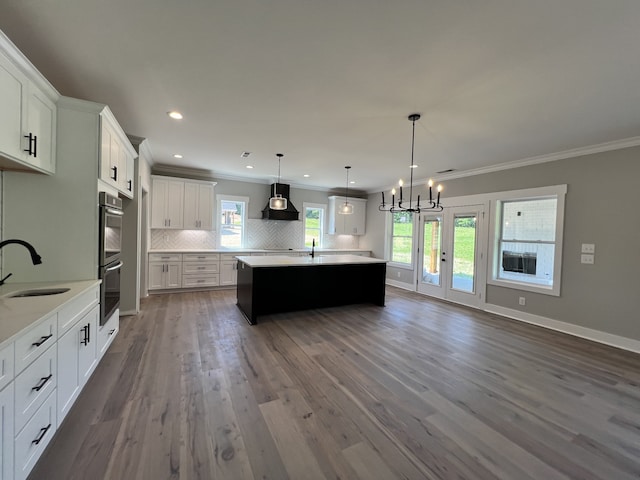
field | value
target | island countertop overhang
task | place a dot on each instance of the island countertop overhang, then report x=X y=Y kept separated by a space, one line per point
x=287 y=261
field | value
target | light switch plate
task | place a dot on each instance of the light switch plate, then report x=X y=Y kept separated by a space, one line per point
x=588 y=248
x=587 y=258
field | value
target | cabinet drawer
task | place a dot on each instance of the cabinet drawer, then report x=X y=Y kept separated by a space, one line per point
x=78 y=308
x=225 y=257
x=6 y=365
x=107 y=333
x=201 y=257
x=200 y=281
x=199 y=268
x=30 y=345
x=34 y=438
x=34 y=385
x=165 y=257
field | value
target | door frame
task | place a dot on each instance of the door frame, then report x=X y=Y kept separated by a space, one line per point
x=482 y=204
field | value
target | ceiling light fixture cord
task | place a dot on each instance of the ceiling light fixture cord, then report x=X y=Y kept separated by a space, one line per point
x=432 y=205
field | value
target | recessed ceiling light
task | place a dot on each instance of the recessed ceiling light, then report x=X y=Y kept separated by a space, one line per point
x=352 y=182
x=175 y=115
x=306 y=175
x=249 y=166
x=177 y=155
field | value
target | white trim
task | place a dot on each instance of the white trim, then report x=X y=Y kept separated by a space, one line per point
x=324 y=222
x=231 y=198
x=564 y=327
x=558 y=191
x=551 y=157
x=402 y=285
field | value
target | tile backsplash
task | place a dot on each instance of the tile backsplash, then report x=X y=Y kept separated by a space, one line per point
x=260 y=234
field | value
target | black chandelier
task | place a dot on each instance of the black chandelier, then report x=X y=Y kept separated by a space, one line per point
x=432 y=205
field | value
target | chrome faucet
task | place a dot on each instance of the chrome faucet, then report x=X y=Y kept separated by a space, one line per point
x=35 y=258
x=313 y=246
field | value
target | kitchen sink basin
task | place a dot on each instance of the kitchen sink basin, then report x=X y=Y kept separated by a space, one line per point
x=38 y=292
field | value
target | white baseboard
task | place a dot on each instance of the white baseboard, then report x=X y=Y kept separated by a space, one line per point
x=127 y=313
x=576 y=330
x=404 y=286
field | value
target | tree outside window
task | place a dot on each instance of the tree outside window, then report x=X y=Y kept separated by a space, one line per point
x=402 y=238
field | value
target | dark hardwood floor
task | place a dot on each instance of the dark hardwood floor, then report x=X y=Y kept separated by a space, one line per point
x=419 y=389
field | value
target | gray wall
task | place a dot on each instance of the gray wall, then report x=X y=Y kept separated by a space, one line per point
x=601 y=208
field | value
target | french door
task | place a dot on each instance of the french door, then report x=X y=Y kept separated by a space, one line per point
x=451 y=258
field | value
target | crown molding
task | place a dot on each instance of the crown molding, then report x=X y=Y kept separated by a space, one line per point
x=551 y=157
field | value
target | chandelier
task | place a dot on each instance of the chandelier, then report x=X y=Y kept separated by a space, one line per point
x=432 y=205
x=278 y=202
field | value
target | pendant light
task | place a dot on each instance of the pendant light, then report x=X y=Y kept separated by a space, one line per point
x=432 y=205
x=278 y=202
x=346 y=208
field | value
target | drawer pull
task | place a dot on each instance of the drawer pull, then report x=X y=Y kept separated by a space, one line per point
x=42 y=340
x=43 y=381
x=43 y=432
x=201 y=268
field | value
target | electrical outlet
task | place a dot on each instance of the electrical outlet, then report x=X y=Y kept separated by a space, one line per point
x=589 y=248
x=522 y=301
x=398 y=274
x=587 y=258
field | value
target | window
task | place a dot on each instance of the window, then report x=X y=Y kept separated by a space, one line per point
x=313 y=224
x=232 y=218
x=402 y=238
x=527 y=242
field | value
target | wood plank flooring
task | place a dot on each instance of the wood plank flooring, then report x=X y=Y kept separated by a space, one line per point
x=419 y=389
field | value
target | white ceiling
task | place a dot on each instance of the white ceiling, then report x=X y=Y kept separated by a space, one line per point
x=331 y=83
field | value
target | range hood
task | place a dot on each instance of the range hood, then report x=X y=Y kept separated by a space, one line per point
x=290 y=213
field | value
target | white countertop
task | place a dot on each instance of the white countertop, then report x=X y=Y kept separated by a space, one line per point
x=16 y=314
x=287 y=261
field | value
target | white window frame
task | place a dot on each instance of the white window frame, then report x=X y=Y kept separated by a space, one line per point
x=323 y=222
x=231 y=198
x=389 y=243
x=558 y=191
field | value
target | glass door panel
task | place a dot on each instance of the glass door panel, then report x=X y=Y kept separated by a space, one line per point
x=464 y=253
x=431 y=250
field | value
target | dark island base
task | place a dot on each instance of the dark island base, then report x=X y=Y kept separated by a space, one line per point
x=266 y=290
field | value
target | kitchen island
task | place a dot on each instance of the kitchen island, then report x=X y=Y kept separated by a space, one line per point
x=273 y=284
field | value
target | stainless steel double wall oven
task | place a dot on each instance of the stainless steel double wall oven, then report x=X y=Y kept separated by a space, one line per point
x=109 y=254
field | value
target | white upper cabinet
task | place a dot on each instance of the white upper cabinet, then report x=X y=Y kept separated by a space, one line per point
x=181 y=204
x=117 y=155
x=352 y=224
x=28 y=114
x=198 y=206
x=167 y=201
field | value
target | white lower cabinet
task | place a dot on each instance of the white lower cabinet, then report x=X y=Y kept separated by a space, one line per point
x=165 y=271
x=6 y=438
x=77 y=359
x=42 y=372
x=200 y=270
x=228 y=269
x=34 y=437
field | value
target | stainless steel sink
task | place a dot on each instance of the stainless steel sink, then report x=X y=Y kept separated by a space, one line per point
x=38 y=292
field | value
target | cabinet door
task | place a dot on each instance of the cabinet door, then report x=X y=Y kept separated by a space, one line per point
x=68 y=369
x=88 y=354
x=115 y=155
x=228 y=272
x=41 y=123
x=156 y=275
x=175 y=203
x=106 y=136
x=173 y=275
x=11 y=94
x=191 y=198
x=129 y=173
x=6 y=435
x=205 y=207
x=159 y=195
